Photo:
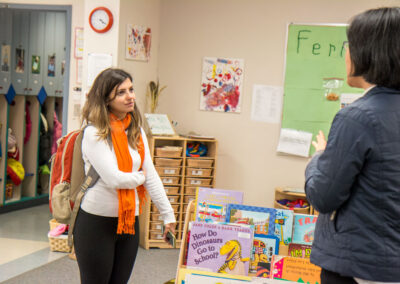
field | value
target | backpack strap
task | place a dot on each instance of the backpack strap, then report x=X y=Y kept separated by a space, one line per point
x=90 y=179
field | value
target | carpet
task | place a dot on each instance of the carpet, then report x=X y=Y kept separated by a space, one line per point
x=153 y=266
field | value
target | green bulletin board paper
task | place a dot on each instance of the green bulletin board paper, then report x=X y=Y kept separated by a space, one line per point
x=314 y=52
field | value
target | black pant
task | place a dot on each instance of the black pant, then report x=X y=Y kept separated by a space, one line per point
x=102 y=255
x=329 y=277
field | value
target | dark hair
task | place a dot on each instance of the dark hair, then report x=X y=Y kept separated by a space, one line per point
x=374 y=43
x=95 y=111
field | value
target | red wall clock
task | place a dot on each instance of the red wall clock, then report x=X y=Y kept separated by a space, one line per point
x=101 y=19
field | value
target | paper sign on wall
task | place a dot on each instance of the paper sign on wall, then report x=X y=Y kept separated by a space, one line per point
x=267 y=103
x=294 y=142
x=97 y=62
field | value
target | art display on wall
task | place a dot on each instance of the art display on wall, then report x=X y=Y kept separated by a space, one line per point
x=138 y=42
x=221 y=84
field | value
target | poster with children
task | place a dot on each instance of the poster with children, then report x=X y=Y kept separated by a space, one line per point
x=5 y=58
x=221 y=84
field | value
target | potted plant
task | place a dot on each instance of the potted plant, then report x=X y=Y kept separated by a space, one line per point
x=153 y=93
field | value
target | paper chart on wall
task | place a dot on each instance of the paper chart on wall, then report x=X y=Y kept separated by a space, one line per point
x=267 y=103
x=294 y=142
x=97 y=62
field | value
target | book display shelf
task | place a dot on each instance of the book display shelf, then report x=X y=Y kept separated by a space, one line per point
x=180 y=175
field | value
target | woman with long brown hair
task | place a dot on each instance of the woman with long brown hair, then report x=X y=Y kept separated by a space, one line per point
x=106 y=233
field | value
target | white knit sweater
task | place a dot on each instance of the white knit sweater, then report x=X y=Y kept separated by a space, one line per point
x=102 y=198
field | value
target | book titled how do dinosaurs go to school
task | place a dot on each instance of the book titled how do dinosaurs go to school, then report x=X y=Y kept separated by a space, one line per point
x=223 y=248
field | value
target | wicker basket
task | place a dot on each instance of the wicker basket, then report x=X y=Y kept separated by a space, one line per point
x=196 y=172
x=165 y=162
x=190 y=189
x=169 y=151
x=53 y=224
x=156 y=226
x=199 y=163
x=173 y=198
x=305 y=210
x=174 y=206
x=158 y=217
x=59 y=243
x=155 y=235
x=170 y=180
x=171 y=189
x=168 y=171
x=198 y=181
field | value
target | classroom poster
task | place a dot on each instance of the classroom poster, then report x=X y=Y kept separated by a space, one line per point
x=221 y=84
x=315 y=67
x=138 y=42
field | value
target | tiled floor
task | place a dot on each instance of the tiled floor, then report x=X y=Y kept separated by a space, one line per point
x=23 y=241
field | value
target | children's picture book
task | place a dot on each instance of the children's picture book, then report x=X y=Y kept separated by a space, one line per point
x=220 y=248
x=183 y=272
x=295 y=269
x=261 y=218
x=299 y=250
x=284 y=226
x=213 y=279
x=264 y=247
x=263 y=269
x=303 y=228
x=211 y=203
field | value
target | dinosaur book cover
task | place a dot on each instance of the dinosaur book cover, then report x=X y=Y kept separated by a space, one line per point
x=262 y=219
x=220 y=247
x=303 y=228
x=211 y=203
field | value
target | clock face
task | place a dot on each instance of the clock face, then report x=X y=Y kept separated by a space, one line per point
x=101 y=19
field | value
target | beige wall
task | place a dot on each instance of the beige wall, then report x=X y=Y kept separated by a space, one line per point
x=183 y=32
x=146 y=13
x=254 y=30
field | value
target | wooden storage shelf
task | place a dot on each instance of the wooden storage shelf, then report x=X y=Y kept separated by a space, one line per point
x=171 y=166
x=283 y=193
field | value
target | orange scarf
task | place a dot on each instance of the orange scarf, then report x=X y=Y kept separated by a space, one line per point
x=126 y=197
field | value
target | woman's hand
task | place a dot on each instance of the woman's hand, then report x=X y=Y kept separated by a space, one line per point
x=169 y=228
x=320 y=145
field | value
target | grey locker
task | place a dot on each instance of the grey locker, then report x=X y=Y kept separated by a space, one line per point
x=35 y=60
x=49 y=75
x=19 y=51
x=5 y=49
x=61 y=27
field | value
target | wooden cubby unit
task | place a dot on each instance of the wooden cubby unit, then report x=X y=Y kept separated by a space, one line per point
x=180 y=176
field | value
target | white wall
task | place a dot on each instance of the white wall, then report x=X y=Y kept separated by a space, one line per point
x=254 y=30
